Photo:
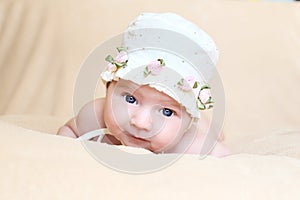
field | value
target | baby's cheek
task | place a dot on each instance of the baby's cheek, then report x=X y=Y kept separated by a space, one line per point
x=120 y=110
x=112 y=125
x=166 y=139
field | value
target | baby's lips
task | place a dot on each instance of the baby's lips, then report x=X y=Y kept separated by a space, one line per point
x=143 y=135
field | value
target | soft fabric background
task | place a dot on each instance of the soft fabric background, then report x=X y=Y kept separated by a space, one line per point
x=42 y=46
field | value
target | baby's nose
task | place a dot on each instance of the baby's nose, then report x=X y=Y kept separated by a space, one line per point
x=142 y=119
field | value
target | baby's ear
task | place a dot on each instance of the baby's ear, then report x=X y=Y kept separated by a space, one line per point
x=193 y=126
x=202 y=126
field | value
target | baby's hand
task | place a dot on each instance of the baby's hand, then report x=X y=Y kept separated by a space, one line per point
x=89 y=118
x=66 y=131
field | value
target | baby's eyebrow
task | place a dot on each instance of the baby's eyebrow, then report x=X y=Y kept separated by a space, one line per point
x=127 y=87
x=171 y=103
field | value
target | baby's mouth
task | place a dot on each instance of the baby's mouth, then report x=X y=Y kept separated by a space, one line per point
x=132 y=140
x=135 y=137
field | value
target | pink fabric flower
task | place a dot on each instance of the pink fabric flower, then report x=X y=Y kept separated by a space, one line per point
x=111 y=67
x=204 y=95
x=114 y=64
x=190 y=80
x=187 y=83
x=121 y=57
x=154 y=67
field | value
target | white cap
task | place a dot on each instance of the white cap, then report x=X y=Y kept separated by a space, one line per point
x=170 y=54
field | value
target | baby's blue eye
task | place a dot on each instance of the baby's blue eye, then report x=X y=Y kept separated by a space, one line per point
x=130 y=99
x=167 y=112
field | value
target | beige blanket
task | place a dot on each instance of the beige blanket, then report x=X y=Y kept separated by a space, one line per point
x=36 y=165
x=42 y=45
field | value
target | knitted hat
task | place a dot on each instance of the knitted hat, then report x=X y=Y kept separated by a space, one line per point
x=170 y=54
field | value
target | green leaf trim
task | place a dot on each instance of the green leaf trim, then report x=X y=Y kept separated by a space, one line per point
x=162 y=62
x=210 y=106
x=209 y=100
x=109 y=59
x=196 y=85
x=200 y=105
x=146 y=72
x=204 y=87
x=121 y=49
x=180 y=82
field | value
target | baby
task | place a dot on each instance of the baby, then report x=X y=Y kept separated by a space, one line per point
x=156 y=89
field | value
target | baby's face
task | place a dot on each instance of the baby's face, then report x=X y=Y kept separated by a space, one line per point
x=141 y=116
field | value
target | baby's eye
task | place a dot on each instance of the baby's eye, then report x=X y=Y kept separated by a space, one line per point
x=167 y=112
x=130 y=99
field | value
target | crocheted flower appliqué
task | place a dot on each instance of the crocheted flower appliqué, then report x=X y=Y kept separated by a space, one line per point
x=115 y=63
x=187 y=83
x=204 y=100
x=154 y=67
